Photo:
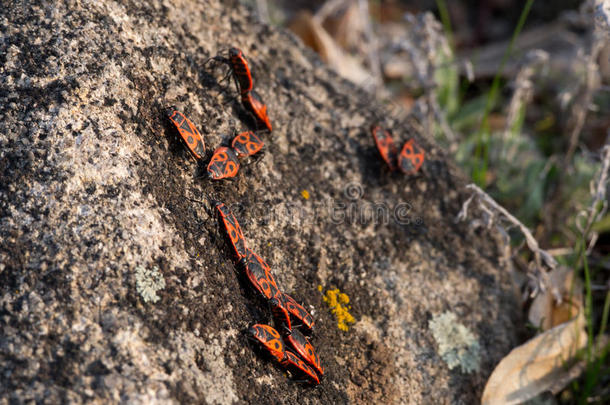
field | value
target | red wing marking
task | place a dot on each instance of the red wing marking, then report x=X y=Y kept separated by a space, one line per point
x=189 y=134
x=233 y=230
x=258 y=275
x=224 y=164
x=385 y=145
x=270 y=339
x=305 y=349
x=292 y=360
x=299 y=312
x=246 y=144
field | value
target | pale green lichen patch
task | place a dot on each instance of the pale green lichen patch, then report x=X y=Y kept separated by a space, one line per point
x=148 y=282
x=456 y=344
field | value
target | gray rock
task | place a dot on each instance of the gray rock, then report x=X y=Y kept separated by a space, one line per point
x=94 y=184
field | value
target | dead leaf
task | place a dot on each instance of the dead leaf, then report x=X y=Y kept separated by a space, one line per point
x=315 y=36
x=545 y=312
x=537 y=365
x=347 y=27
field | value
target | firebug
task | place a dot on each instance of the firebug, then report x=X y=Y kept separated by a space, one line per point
x=291 y=360
x=224 y=164
x=269 y=338
x=246 y=144
x=189 y=134
x=233 y=230
x=240 y=70
x=303 y=348
x=253 y=102
x=259 y=275
x=299 y=312
x=385 y=145
x=411 y=157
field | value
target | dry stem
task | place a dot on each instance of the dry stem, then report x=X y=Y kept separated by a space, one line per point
x=498 y=214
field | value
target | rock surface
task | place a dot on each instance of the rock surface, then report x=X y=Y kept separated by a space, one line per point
x=94 y=184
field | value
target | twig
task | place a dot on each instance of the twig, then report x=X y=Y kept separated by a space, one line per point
x=498 y=214
x=564 y=251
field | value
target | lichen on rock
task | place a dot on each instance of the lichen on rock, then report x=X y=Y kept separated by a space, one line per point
x=148 y=282
x=456 y=344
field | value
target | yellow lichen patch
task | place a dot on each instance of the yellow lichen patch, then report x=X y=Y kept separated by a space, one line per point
x=305 y=194
x=339 y=305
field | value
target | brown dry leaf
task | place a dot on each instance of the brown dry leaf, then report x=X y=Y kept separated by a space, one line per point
x=346 y=28
x=537 y=365
x=315 y=36
x=545 y=312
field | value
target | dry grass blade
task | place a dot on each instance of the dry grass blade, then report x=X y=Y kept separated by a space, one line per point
x=524 y=87
x=371 y=43
x=597 y=11
x=498 y=214
x=428 y=50
x=599 y=205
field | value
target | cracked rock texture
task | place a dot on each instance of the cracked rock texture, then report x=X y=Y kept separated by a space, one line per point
x=94 y=183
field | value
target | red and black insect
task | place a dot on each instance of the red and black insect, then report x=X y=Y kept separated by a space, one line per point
x=259 y=274
x=293 y=361
x=224 y=164
x=233 y=230
x=189 y=134
x=411 y=157
x=255 y=105
x=239 y=69
x=304 y=348
x=299 y=312
x=385 y=145
x=246 y=144
x=270 y=340
x=279 y=311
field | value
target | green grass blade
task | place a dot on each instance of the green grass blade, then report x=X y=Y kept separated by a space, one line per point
x=443 y=11
x=482 y=149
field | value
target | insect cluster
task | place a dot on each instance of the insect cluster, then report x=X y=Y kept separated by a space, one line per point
x=411 y=156
x=224 y=162
x=286 y=343
x=289 y=346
